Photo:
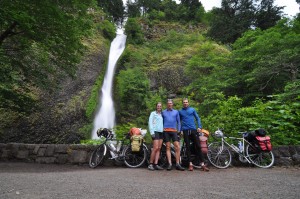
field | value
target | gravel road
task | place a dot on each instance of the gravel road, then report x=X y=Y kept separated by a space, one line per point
x=26 y=180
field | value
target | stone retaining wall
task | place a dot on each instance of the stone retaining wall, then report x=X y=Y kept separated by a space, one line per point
x=79 y=154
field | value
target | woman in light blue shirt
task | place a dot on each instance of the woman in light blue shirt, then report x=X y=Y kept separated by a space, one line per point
x=156 y=130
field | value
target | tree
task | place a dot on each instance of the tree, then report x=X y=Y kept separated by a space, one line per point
x=231 y=20
x=237 y=16
x=133 y=9
x=170 y=9
x=147 y=6
x=114 y=8
x=132 y=87
x=134 y=33
x=39 y=42
x=267 y=14
x=192 y=7
x=265 y=61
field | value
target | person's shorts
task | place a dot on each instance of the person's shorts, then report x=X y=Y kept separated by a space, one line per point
x=158 y=136
x=168 y=136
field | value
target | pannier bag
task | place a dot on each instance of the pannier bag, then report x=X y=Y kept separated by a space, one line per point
x=264 y=143
x=203 y=144
x=250 y=136
x=135 y=131
x=136 y=143
x=260 y=132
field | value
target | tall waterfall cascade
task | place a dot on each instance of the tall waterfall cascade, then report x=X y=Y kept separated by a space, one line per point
x=105 y=117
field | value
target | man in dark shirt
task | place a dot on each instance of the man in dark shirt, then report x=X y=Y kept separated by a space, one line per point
x=190 y=132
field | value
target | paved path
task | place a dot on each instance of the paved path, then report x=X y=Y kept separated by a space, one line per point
x=25 y=180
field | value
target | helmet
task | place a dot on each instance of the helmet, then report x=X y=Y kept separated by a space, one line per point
x=219 y=133
x=103 y=132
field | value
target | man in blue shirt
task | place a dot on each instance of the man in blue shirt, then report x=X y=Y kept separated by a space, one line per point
x=171 y=128
x=190 y=132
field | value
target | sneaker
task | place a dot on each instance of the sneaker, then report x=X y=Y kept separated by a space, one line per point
x=179 y=167
x=169 y=168
x=157 y=167
x=191 y=168
x=150 y=167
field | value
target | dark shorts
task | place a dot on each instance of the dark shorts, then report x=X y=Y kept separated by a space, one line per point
x=168 y=136
x=158 y=136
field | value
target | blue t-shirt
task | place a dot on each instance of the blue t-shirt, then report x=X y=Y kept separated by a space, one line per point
x=187 y=116
x=171 y=119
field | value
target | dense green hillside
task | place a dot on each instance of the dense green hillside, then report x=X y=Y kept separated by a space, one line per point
x=238 y=65
x=234 y=88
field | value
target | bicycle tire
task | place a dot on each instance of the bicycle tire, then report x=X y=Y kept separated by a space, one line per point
x=135 y=159
x=97 y=156
x=220 y=158
x=262 y=159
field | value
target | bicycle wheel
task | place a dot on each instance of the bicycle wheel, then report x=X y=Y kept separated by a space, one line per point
x=262 y=159
x=135 y=159
x=219 y=156
x=97 y=156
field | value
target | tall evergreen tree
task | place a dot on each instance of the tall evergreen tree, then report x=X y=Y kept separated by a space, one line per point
x=114 y=8
x=133 y=9
x=192 y=7
x=267 y=14
x=232 y=20
x=237 y=16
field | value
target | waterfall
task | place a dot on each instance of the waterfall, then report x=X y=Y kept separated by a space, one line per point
x=105 y=117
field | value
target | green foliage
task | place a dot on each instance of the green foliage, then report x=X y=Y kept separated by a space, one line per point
x=108 y=29
x=267 y=14
x=279 y=118
x=91 y=142
x=114 y=8
x=264 y=61
x=156 y=15
x=86 y=130
x=132 y=87
x=94 y=97
x=134 y=33
x=40 y=42
x=207 y=67
x=237 y=16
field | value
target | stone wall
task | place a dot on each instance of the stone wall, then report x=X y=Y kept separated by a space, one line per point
x=46 y=153
x=79 y=154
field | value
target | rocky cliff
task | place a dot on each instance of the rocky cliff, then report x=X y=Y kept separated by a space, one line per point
x=59 y=115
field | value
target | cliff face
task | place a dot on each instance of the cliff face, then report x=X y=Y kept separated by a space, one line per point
x=60 y=115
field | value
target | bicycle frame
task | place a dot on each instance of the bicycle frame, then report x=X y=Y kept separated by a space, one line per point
x=234 y=147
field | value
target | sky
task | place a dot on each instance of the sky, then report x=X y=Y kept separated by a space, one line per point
x=291 y=9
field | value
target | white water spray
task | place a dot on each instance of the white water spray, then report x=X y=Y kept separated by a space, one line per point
x=105 y=118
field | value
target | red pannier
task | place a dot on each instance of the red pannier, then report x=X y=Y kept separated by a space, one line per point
x=264 y=143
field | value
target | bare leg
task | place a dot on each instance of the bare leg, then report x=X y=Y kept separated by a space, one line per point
x=158 y=151
x=154 y=150
x=168 y=151
x=177 y=151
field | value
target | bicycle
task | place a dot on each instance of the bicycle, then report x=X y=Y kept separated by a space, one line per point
x=220 y=156
x=119 y=150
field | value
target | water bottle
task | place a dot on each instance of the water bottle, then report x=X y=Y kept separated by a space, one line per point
x=112 y=147
x=241 y=147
